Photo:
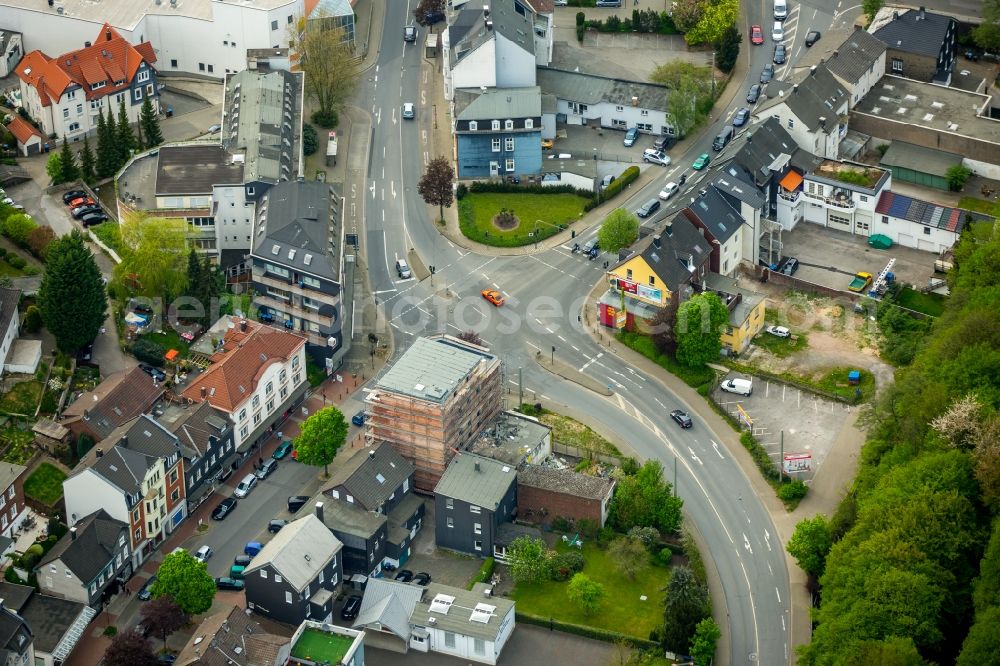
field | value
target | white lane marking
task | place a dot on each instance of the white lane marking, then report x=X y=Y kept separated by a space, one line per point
x=561 y=338
x=777 y=594
x=695 y=457
x=386 y=291
x=718 y=453
x=746 y=543
x=660 y=403
x=587 y=364
x=767 y=540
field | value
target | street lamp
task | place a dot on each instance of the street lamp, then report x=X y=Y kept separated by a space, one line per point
x=553 y=359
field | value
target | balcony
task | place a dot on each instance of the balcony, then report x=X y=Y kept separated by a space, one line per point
x=287 y=284
x=791 y=197
x=291 y=309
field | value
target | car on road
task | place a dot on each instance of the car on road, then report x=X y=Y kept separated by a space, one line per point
x=741 y=116
x=778 y=32
x=94 y=218
x=754 y=94
x=410 y=33
x=654 y=156
x=145 y=591
x=72 y=194
x=648 y=208
x=669 y=190
x=267 y=468
x=351 y=607
x=245 y=486
x=608 y=3
x=767 y=73
x=79 y=211
x=275 y=525
x=404 y=575
x=682 y=418
x=778 y=331
x=756 y=35
x=701 y=162
x=428 y=16
x=812 y=37
x=631 y=136
x=402 y=270
x=421 y=578
x=283 y=450
x=242 y=560
x=780 y=54
x=790 y=266
x=204 y=553
x=493 y=296
x=227 y=583
x=296 y=502
x=224 y=508
x=409 y=111
x=359 y=418
x=155 y=373
x=547 y=144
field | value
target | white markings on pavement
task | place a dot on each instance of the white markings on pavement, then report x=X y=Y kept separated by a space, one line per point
x=717 y=452
x=561 y=338
x=746 y=543
x=386 y=291
x=767 y=540
x=660 y=403
x=777 y=593
x=770 y=569
x=695 y=457
x=587 y=364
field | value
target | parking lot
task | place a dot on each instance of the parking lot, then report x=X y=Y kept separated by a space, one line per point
x=810 y=424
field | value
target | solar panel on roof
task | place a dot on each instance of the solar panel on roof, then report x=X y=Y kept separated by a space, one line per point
x=899 y=206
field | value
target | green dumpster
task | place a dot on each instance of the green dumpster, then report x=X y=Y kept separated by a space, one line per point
x=880 y=242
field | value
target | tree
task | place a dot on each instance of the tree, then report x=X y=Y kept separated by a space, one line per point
x=619 y=229
x=689 y=90
x=53 y=167
x=125 y=139
x=106 y=155
x=186 y=581
x=956 y=175
x=527 y=560
x=700 y=322
x=959 y=425
x=149 y=124
x=129 y=648
x=986 y=456
x=686 y=14
x=435 y=185
x=162 y=617
x=982 y=645
x=629 y=555
x=38 y=241
x=426 y=8
x=32 y=319
x=67 y=163
x=585 y=593
x=810 y=544
x=686 y=605
x=87 y=162
x=320 y=437
x=706 y=636
x=326 y=57
x=645 y=500
x=18 y=228
x=716 y=17
x=870 y=8
x=72 y=296
x=986 y=35
x=727 y=49
x=662 y=331
x=154 y=252
x=310 y=140
x=471 y=337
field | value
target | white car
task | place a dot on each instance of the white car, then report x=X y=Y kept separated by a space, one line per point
x=669 y=190
x=778 y=32
x=409 y=112
x=779 y=331
x=203 y=554
x=656 y=157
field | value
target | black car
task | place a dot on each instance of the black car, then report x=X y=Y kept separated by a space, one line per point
x=790 y=266
x=404 y=575
x=144 y=591
x=275 y=525
x=767 y=73
x=665 y=143
x=422 y=578
x=296 y=502
x=224 y=509
x=410 y=33
x=683 y=420
x=428 y=17
x=648 y=208
x=351 y=607
x=267 y=468
x=86 y=209
x=242 y=560
x=227 y=583
x=155 y=373
x=754 y=94
x=812 y=37
x=780 y=54
x=93 y=218
x=73 y=194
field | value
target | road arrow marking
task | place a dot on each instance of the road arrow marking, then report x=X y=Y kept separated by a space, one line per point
x=746 y=544
x=694 y=457
x=719 y=453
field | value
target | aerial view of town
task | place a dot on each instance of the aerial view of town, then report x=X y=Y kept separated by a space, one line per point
x=509 y=332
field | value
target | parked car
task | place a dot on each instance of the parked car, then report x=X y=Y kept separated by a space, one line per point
x=665 y=142
x=144 y=591
x=404 y=575
x=669 y=190
x=275 y=525
x=631 y=136
x=224 y=508
x=80 y=201
x=648 y=208
x=155 y=373
x=767 y=73
x=72 y=194
x=245 y=486
x=79 y=211
x=682 y=418
x=741 y=116
x=236 y=571
x=428 y=17
x=812 y=37
x=351 y=607
x=204 y=553
x=778 y=32
x=283 y=450
x=166 y=659
x=779 y=331
x=359 y=418
x=296 y=502
x=780 y=54
x=701 y=162
x=267 y=469
x=227 y=583
x=421 y=578
x=94 y=218
x=242 y=560
x=790 y=266
x=756 y=35
x=252 y=548
x=754 y=93
x=738 y=386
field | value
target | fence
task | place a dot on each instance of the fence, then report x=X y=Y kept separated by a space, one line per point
x=578 y=452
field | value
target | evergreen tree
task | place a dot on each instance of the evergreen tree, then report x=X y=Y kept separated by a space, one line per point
x=126 y=142
x=87 y=160
x=72 y=297
x=194 y=275
x=149 y=124
x=105 y=148
x=67 y=164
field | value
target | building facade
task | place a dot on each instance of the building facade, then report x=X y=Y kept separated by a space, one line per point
x=840 y=195
x=10 y=321
x=498 y=132
x=473 y=498
x=920 y=44
x=12 y=499
x=545 y=493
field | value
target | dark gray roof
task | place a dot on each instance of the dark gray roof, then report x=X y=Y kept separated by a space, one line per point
x=15 y=596
x=498 y=103
x=198 y=425
x=194 y=169
x=681 y=247
x=593 y=89
x=124 y=468
x=95 y=545
x=918 y=158
x=717 y=214
x=388 y=604
x=298 y=226
x=815 y=100
x=15 y=634
x=339 y=516
x=9 y=473
x=916 y=31
x=371 y=475
x=855 y=56
x=9 y=299
x=759 y=148
x=469 y=30
x=736 y=185
x=50 y=618
x=477 y=480
x=145 y=435
x=565 y=481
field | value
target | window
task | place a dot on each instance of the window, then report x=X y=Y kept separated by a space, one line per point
x=885 y=219
x=274 y=26
x=628 y=274
x=255 y=403
x=475 y=509
x=644 y=113
x=897 y=65
x=619 y=108
x=791 y=123
x=297 y=378
x=174 y=496
x=283 y=392
x=211 y=68
x=278 y=579
x=495 y=125
x=508 y=143
x=863 y=197
x=143 y=75
x=269 y=389
x=270 y=405
x=449 y=639
x=449 y=503
x=173 y=476
x=173 y=63
x=479 y=646
x=289 y=20
x=225 y=42
x=477 y=544
x=927 y=232
x=496 y=145
x=652 y=280
x=473 y=126
x=256 y=419
x=138 y=533
x=201 y=67
x=509 y=166
x=288 y=597
x=477 y=528
x=79 y=109
x=65 y=113
x=508 y=124
x=243 y=432
x=283 y=375
x=149 y=90
x=135 y=516
x=295 y=362
x=243 y=414
x=263 y=573
x=74 y=127
x=71 y=94
x=529 y=123
x=137 y=94
x=451 y=521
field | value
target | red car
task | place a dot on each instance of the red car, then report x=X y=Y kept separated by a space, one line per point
x=756 y=35
x=80 y=201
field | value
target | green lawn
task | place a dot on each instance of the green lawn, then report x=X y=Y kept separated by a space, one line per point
x=931 y=304
x=978 y=205
x=22 y=399
x=541 y=214
x=169 y=339
x=320 y=646
x=19 y=445
x=45 y=484
x=781 y=347
x=835 y=381
x=109 y=233
x=621 y=611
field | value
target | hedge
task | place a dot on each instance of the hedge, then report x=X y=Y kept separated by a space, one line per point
x=485 y=573
x=509 y=188
x=612 y=190
x=587 y=632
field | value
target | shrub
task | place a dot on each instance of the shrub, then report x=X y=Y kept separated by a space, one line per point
x=482 y=186
x=560 y=524
x=461 y=191
x=587 y=528
x=39 y=240
x=581 y=30
x=31 y=556
x=32 y=318
x=485 y=573
x=663 y=557
x=581 y=18
x=110 y=630
x=310 y=141
x=605 y=536
x=17 y=227
x=16 y=261
x=562 y=566
x=612 y=190
x=792 y=491
x=327 y=120
x=148 y=351
x=3 y=252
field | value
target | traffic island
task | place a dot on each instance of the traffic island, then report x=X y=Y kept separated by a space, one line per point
x=568 y=372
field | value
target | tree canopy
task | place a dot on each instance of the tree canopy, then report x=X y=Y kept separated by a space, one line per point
x=186 y=581
x=685 y=605
x=619 y=229
x=689 y=92
x=810 y=544
x=435 y=186
x=321 y=436
x=162 y=617
x=527 y=559
x=645 y=500
x=698 y=330
x=327 y=58
x=129 y=648
x=716 y=17
x=72 y=296
x=585 y=593
x=154 y=253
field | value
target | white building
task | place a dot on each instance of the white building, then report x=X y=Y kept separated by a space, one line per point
x=833 y=195
x=11 y=51
x=857 y=62
x=921 y=224
x=208 y=37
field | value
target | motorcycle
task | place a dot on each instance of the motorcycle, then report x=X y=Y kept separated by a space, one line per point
x=576 y=248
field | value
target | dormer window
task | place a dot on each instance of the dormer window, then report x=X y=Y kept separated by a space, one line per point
x=98 y=85
x=508 y=124
x=496 y=125
x=473 y=126
x=529 y=123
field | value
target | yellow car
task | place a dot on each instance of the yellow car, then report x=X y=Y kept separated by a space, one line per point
x=493 y=296
x=547 y=144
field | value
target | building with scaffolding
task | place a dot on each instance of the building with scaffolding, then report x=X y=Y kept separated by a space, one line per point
x=433 y=402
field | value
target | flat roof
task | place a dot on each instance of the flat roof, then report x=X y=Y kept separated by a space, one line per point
x=194 y=169
x=432 y=368
x=464 y=612
x=931 y=106
x=510 y=438
x=918 y=158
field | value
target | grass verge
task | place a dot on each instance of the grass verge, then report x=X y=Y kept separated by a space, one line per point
x=571 y=432
x=541 y=215
x=694 y=377
x=781 y=347
x=978 y=205
x=45 y=484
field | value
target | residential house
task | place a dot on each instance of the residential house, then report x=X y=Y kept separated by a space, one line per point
x=498 y=132
x=718 y=218
x=921 y=224
x=910 y=163
x=656 y=275
x=855 y=58
x=515 y=439
x=12 y=498
x=920 y=44
x=588 y=99
x=541 y=15
x=746 y=311
x=489 y=45
x=65 y=94
x=473 y=498
x=19 y=356
x=208 y=444
x=88 y=564
x=298 y=264
x=56 y=625
x=837 y=194
x=325 y=643
x=813 y=108
x=469 y=624
x=115 y=401
x=371 y=509
x=545 y=493
x=30 y=140
x=231 y=637
x=11 y=51
x=256 y=377
x=434 y=401
x=16 y=638
x=295 y=576
x=737 y=187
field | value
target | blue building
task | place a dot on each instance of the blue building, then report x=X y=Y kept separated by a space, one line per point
x=498 y=132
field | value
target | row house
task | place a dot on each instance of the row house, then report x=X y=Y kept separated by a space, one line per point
x=117 y=400
x=812 y=108
x=498 y=132
x=11 y=497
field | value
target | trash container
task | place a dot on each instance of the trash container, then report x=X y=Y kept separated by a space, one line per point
x=170 y=111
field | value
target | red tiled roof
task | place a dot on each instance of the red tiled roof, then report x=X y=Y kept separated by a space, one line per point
x=109 y=59
x=23 y=130
x=233 y=376
x=129 y=395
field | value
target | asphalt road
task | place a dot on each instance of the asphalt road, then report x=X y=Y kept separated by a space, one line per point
x=545 y=293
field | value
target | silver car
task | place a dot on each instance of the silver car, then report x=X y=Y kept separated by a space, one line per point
x=656 y=157
x=409 y=112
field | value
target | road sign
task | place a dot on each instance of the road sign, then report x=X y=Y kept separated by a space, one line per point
x=797 y=462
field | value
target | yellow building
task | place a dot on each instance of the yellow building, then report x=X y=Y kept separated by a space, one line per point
x=746 y=311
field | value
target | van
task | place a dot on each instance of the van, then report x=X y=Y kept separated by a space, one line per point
x=402 y=270
x=725 y=136
x=780 y=10
x=738 y=386
x=246 y=485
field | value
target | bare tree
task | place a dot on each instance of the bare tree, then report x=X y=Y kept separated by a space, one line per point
x=327 y=58
x=471 y=337
x=163 y=617
x=436 y=184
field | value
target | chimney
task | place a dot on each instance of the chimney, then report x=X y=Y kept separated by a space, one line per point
x=72 y=534
x=822 y=122
x=690 y=265
x=476 y=464
x=86 y=45
x=669 y=228
x=86 y=415
x=749 y=137
x=100 y=453
x=922 y=15
x=895 y=15
x=319 y=511
x=371 y=454
x=204 y=391
x=795 y=88
x=656 y=241
x=836 y=53
x=635 y=101
x=243 y=325
x=486 y=11
x=123 y=441
x=812 y=71
x=107 y=34
x=489 y=24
